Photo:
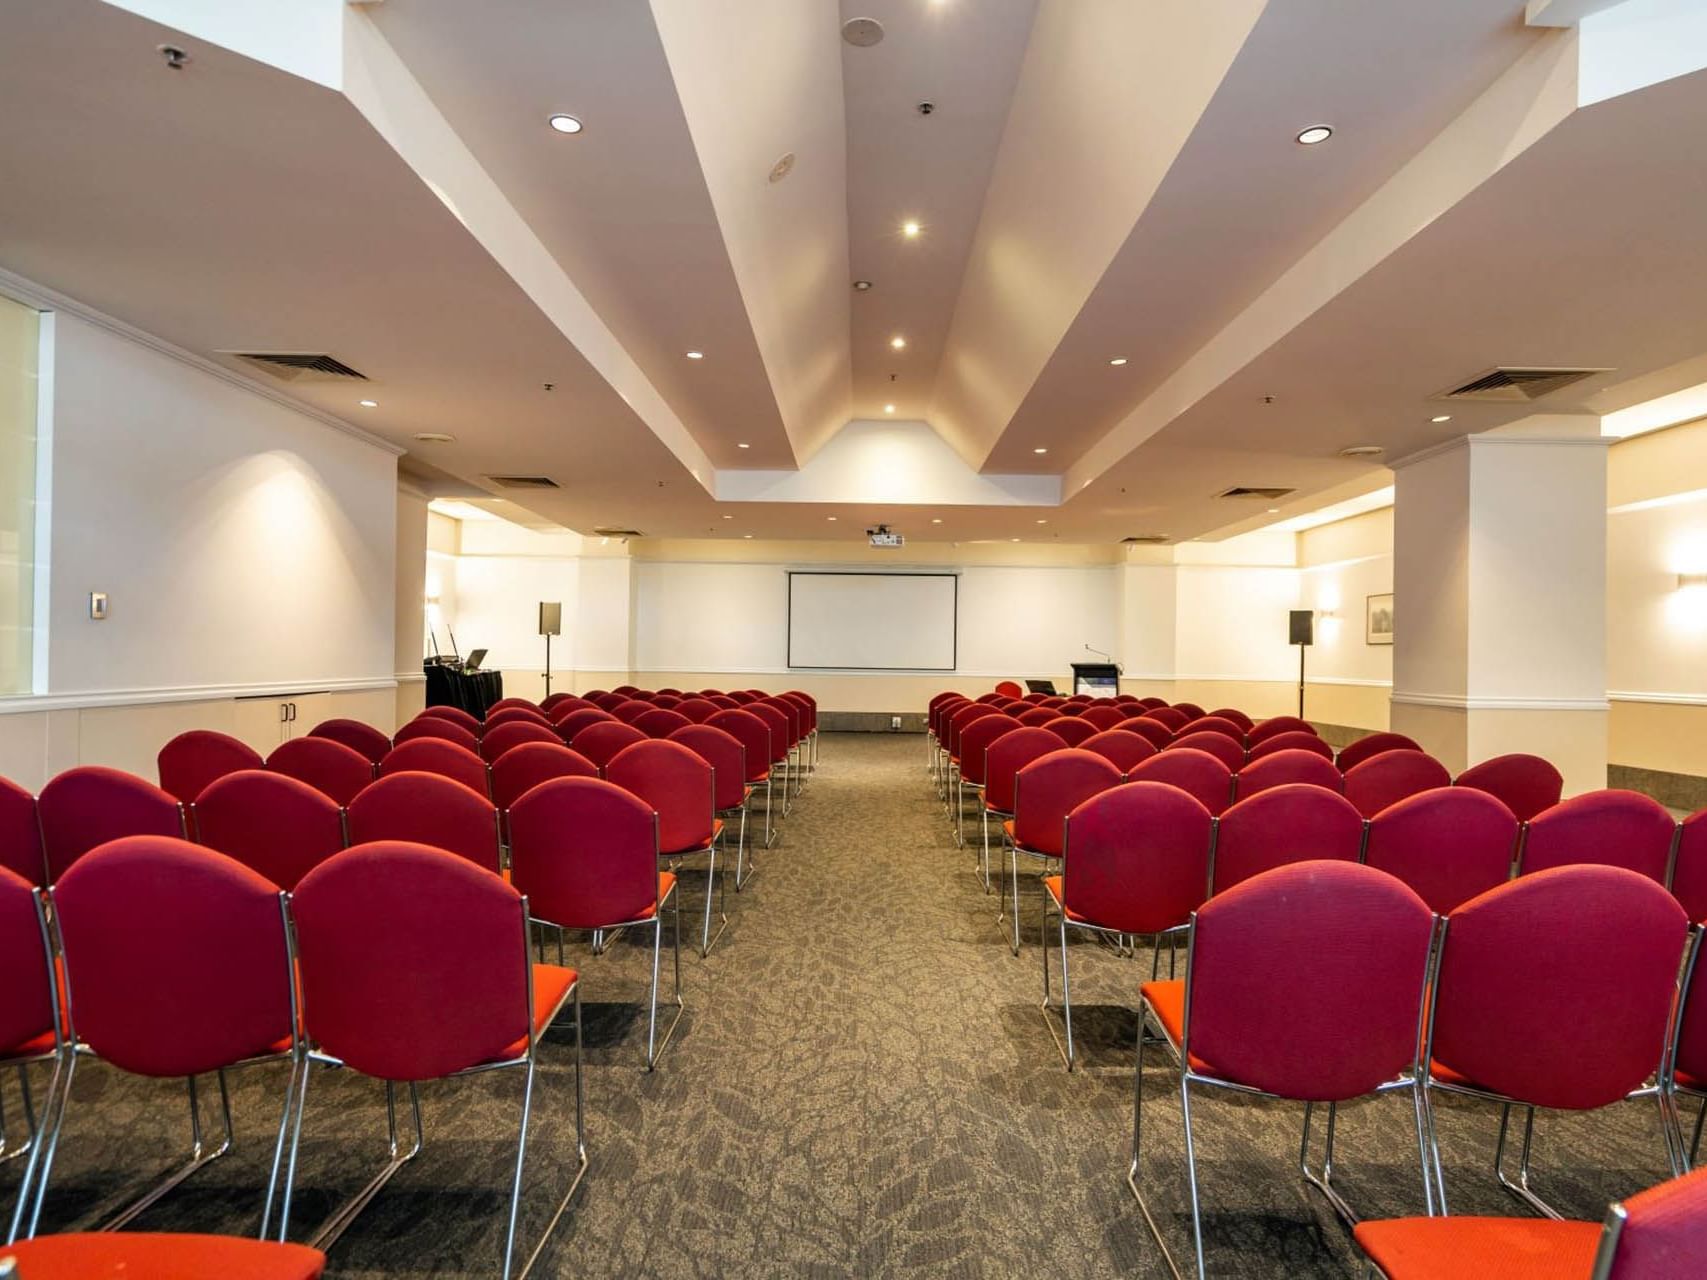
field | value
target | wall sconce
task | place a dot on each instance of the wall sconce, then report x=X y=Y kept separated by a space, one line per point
x=1691 y=580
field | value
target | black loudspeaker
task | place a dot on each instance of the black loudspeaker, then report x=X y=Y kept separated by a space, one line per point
x=550 y=618
x=1302 y=629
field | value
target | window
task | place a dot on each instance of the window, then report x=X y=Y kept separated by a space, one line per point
x=20 y=396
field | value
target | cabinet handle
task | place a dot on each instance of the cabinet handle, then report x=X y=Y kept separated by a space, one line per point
x=284 y=712
x=293 y=713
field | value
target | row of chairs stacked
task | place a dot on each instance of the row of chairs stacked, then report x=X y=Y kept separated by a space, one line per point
x=449 y=845
x=1476 y=936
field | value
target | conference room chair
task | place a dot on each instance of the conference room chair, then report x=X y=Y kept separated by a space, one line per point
x=1072 y=730
x=630 y=711
x=1213 y=724
x=512 y=734
x=551 y=701
x=661 y=722
x=975 y=740
x=1172 y=717
x=331 y=768
x=1556 y=990
x=1657 y=1234
x=578 y=719
x=1225 y=749
x=562 y=704
x=1030 y=697
x=1003 y=759
x=1387 y=778
x=778 y=725
x=1689 y=869
x=361 y=738
x=1527 y=784
x=1072 y=708
x=1010 y=689
x=1371 y=745
x=728 y=760
x=91 y=804
x=669 y=693
x=679 y=786
x=794 y=735
x=1191 y=710
x=1103 y=716
x=1684 y=1072
x=1154 y=732
x=935 y=712
x=524 y=767
x=276 y=826
x=601 y=742
x=180 y=1255
x=1045 y=791
x=1014 y=709
x=1449 y=844
x=1235 y=715
x=605 y=701
x=32 y=1027
x=456 y=715
x=697 y=710
x=742 y=696
x=1052 y=701
x=809 y=711
x=525 y=704
x=666 y=700
x=710 y=693
x=1294 y=822
x=193 y=759
x=1358 y=943
x=1276 y=724
x=1081 y=699
x=991 y=697
x=1135 y=863
x=1283 y=767
x=1122 y=749
x=430 y=809
x=1199 y=774
x=20 y=834
x=176 y=966
x=434 y=755
x=722 y=701
x=754 y=735
x=1151 y=702
x=415 y=967
x=515 y=715
x=435 y=729
x=1037 y=717
x=1613 y=828
x=1296 y=740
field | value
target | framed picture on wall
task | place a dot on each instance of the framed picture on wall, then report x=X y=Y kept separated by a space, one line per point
x=1378 y=619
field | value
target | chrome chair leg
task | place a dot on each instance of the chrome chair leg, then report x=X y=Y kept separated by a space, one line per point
x=1324 y=1181
x=655 y=1047
x=298 y=1063
x=1191 y=1171
x=199 y=1155
x=1695 y=1142
x=705 y=937
x=33 y=1189
x=340 y=1221
x=521 y=1155
x=1520 y=1188
x=1132 y=1170
x=769 y=805
x=742 y=875
x=1067 y=1054
x=1013 y=880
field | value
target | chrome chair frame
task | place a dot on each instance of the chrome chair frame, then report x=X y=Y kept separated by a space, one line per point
x=1323 y=1182
x=1685 y=1153
x=59 y=1055
x=339 y=1222
x=59 y=1095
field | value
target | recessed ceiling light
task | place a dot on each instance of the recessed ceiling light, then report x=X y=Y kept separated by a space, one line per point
x=743 y=445
x=1040 y=450
x=696 y=355
x=936 y=519
x=782 y=168
x=728 y=517
x=433 y=437
x=564 y=123
x=831 y=519
x=1273 y=511
x=746 y=535
x=862 y=285
x=1314 y=134
x=888 y=408
x=1013 y=539
x=1118 y=360
x=910 y=229
x=897 y=342
x=1043 y=522
x=370 y=404
x=1441 y=417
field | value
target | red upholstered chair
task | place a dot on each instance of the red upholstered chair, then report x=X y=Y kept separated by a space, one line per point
x=430 y=809
x=1295 y=822
x=336 y=771
x=1073 y=707
x=1003 y=759
x=1613 y=828
x=1306 y=983
x=630 y=711
x=1297 y=740
x=274 y=825
x=1235 y=715
x=1072 y=730
x=94 y=1255
x=1135 y=861
x=661 y=722
x=176 y=964
x=1010 y=689
x=666 y=700
x=1191 y=709
x=92 y=804
x=728 y=760
x=1276 y=724
x=1689 y=874
x=975 y=740
x=438 y=729
x=668 y=693
x=501 y=738
x=1226 y=750
x=361 y=738
x=20 y=833
x=567 y=704
x=1152 y=702
x=1387 y=778
x=525 y=766
x=1197 y=773
x=1045 y=792
x=1283 y=767
x=1125 y=698
x=32 y=1027
x=578 y=719
x=601 y=741
x=1053 y=701
x=1527 y=784
x=192 y=760
x=456 y=715
x=697 y=710
x=415 y=966
x=781 y=745
x=1172 y=717
x=722 y=701
x=1037 y=717
x=1103 y=715
x=1122 y=749
x=992 y=697
x=1214 y=724
x=678 y=784
x=515 y=715
x=936 y=731
x=1371 y=745
x=754 y=735
x=1657 y=1234
x=742 y=697
x=1448 y=844
x=809 y=709
x=504 y=703
x=431 y=755
x=1154 y=732
x=585 y=853
x=1685 y=1069
x=552 y=701
x=1556 y=990
x=605 y=701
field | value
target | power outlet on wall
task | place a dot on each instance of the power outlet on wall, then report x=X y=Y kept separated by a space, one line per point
x=894 y=722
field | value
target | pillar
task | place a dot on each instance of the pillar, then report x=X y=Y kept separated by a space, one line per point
x=410 y=615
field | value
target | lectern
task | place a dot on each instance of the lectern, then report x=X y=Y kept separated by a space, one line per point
x=1099 y=679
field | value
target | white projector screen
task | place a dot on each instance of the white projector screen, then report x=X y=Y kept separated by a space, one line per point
x=872 y=621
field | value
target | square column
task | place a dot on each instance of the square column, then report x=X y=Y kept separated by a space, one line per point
x=1499 y=568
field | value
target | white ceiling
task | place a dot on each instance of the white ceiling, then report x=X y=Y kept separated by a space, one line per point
x=1096 y=179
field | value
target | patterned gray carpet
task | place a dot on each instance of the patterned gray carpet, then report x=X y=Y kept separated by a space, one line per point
x=862 y=1085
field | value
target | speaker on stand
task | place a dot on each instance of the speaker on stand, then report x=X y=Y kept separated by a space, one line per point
x=550 y=624
x=1301 y=631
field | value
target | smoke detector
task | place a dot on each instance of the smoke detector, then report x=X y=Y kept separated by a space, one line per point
x=862 y=33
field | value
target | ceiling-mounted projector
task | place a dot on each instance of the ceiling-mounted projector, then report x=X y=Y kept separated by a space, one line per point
x=881 y=536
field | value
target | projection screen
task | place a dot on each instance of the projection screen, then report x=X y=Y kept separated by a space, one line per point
x=872 y=621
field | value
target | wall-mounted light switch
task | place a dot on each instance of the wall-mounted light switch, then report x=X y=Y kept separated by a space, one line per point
x=98 y=605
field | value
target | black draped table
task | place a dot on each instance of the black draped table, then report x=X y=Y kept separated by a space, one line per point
x=472 y=691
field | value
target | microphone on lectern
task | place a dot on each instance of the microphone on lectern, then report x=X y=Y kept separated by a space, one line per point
x=1106 y=657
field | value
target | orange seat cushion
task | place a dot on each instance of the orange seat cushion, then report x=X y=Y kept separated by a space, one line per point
x=1052 y=885
x=1480 y=1248
x=144 y=1255
x=1167 y=1001
x=551 y=984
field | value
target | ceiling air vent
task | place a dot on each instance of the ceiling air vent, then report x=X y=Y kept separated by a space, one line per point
x=523 y=482
x=1249 y=491
x=1148 y=539
x=297 y=366
x=1509 y=385
x=609 y=531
